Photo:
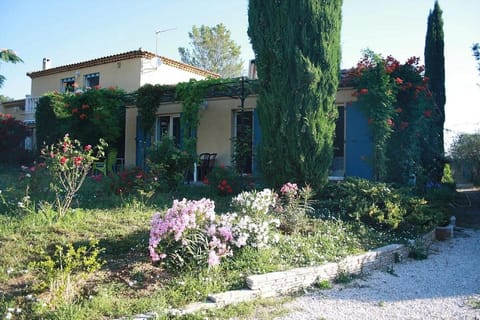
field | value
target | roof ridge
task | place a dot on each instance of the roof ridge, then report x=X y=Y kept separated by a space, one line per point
x=119 y=57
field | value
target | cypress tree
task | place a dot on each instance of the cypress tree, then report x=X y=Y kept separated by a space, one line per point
x=435 y=71
x=297 y=54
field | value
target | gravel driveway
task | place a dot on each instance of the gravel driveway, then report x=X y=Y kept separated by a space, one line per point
x=444 y=286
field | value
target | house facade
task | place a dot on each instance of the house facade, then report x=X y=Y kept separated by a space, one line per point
x=219 y=125
x=128 y=71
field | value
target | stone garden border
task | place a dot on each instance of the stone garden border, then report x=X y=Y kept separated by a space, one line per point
x=284 y=282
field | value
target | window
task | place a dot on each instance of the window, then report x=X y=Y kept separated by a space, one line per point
x=68 y=84
x=92 y=80
x=168 y=126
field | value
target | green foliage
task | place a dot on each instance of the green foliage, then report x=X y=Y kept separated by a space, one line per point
x=8 y=55
x=226 y=181
x=168 y=163
x=465 y=152
x=379 y=205
x=376 y=94
x=435 y=72
x=86 y=115
x=476 y=54
x=323 y=284
x=398 y=105
x=68 y=163
x=298 y=84
x=447 y=176
x=148 y=101
x=418 y=250
x=12 y=135
x=212 y=49
x=61 y=272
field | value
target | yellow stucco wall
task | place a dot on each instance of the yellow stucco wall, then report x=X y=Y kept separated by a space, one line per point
x=215 y=128
x=124 y=74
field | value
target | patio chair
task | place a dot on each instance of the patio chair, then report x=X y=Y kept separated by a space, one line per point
x=204 y=160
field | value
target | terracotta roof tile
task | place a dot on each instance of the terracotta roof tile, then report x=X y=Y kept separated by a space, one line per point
x=119 y=57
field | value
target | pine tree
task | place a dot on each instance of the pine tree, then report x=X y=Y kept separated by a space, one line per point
x=435 y=71
x=297 y=54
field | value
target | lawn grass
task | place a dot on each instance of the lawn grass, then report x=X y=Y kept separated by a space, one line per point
x=128 y=283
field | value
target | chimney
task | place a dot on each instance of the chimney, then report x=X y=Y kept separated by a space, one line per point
x=46 y=64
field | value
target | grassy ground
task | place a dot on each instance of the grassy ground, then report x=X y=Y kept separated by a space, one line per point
x=127 y=282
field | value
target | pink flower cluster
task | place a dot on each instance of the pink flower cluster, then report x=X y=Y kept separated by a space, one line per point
x=289 y=188
x=223 y=232
x=187 y=215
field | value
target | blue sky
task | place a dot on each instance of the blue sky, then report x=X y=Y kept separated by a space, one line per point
x=74 y=31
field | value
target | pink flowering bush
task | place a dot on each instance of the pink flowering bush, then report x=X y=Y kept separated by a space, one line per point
x=293 y=207
x=68 y=163
x=191 y=235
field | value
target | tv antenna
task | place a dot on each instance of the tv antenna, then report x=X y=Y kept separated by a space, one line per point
x=156 y=38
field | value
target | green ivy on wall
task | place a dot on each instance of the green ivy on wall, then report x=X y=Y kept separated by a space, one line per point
x=398 y=107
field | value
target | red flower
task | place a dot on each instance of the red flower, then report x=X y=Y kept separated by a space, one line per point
x=139 y=176
x=77 y=161
x=63 y=160
x=88 y=147
x=224 y=182
x=363 y=91
x=205 y=180
x=427 y=113
x=97 y=87
x=75 y=110
x=83 y=116
x=389 y=122
x=85 y=106
x=398 y=110
x=398 y=80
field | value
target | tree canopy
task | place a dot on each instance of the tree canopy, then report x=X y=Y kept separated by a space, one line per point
x=297 y=54
x=435 y=73
x=212 y=49
x=8 y=55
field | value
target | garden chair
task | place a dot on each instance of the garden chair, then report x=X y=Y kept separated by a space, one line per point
x=203 y=165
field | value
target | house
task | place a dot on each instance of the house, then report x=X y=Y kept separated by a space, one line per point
x=128 y=71
x=219 y=115
x=218 y=126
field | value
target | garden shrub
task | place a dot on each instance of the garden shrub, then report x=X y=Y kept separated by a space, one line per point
x=12 y=135
x=168 y=163
x=379 y=205
x=226 y=181
x=191 y=236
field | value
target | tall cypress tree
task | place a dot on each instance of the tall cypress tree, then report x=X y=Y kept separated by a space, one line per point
x=297 y=54
x=435 y=71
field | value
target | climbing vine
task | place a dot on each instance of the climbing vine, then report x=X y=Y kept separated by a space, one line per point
x=398 y=106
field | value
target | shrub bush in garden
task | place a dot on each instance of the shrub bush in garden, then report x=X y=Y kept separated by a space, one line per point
x=12 y=135
x=168 y=163
x=68 y=163
x=226 y=181
x=379 y=205
x=191 y=235
x=294 y=206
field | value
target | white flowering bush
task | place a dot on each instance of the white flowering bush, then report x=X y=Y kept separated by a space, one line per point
x=255 y=204
x=191 y=235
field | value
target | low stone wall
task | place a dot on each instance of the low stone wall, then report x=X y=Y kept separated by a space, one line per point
x=284 y=282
